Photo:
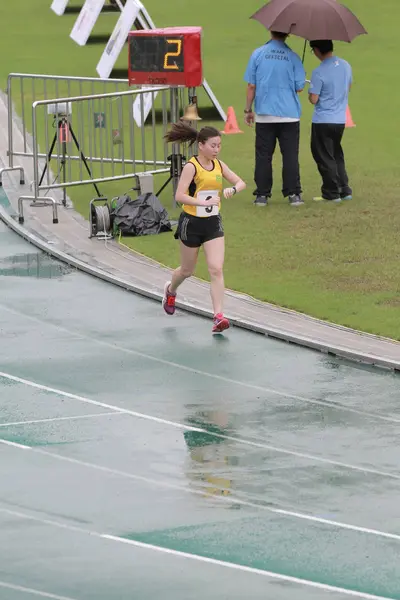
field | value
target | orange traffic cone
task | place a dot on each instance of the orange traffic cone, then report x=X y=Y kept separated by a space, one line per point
x=231 y=125
x=349 y=118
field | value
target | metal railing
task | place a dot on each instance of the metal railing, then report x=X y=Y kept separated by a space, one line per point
x=24 y=89
x=94 y=139
x=88 y=139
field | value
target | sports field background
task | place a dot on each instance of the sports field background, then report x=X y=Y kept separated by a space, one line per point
x=338 y=263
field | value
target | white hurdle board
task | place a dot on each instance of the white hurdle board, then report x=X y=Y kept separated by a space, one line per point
x=59 y=6
x=118 y=37
x=86 y=20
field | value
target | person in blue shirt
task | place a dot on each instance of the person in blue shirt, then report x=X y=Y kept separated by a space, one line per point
x=329 y=91
x=275 y=76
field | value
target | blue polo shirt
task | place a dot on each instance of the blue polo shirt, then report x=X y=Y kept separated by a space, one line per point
x=331 y=82
x=278 y=73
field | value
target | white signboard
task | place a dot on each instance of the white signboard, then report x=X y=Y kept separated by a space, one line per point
x=59 y=6
x=85 y=22
x=147 y=104
x=214 y=100
x=118 y=37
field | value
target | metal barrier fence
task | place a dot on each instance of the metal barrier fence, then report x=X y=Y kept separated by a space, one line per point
x=94 y=139
x=90 y=139
x=24 y=89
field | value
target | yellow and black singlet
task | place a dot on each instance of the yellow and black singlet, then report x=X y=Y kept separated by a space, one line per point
x=205 y=183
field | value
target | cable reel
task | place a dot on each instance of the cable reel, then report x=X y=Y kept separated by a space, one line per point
x=100 y=219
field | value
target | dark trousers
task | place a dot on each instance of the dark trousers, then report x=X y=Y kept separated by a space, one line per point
x=288 y=136
x=327 y=152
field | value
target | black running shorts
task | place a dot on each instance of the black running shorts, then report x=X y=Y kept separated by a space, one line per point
x=195 y=231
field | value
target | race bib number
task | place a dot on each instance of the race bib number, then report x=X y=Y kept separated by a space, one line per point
x=207 y=211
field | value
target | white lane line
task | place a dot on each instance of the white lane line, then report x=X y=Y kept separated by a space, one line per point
x=20 y=588
x=15 y=445
x=54 y=419
x=199 y=558
x=237 y=440
x=46 y=388
x=222 y=378
x=223 y=499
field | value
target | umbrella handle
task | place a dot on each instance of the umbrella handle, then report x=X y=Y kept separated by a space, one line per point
x=304 y=51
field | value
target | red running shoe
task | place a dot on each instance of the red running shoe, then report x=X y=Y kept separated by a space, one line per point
x=168 y=301
x=220 y=323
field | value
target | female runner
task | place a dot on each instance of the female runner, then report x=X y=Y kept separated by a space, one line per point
x=200 y=224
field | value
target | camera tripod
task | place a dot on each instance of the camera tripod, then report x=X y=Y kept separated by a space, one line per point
x=177 y=161
x=64 y=127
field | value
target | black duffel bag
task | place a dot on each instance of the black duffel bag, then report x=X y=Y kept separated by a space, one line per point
x=143 y=216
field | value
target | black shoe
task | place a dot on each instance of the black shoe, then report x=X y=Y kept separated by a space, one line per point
x=261 y=201
x=295 y=200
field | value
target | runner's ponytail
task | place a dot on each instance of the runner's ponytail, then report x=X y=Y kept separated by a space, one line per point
x=182 y=132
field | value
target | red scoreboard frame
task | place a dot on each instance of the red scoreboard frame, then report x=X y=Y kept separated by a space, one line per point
x=169 y=56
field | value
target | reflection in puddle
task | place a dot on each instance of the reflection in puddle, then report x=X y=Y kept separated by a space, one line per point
x=211 y=456
x=36 y=264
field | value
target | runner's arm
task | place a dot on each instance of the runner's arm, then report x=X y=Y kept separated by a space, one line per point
x=238 y=184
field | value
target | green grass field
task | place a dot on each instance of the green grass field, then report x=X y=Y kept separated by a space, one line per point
x=337 y=262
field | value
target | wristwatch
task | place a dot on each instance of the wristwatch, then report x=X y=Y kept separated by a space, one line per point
x=248 y=111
